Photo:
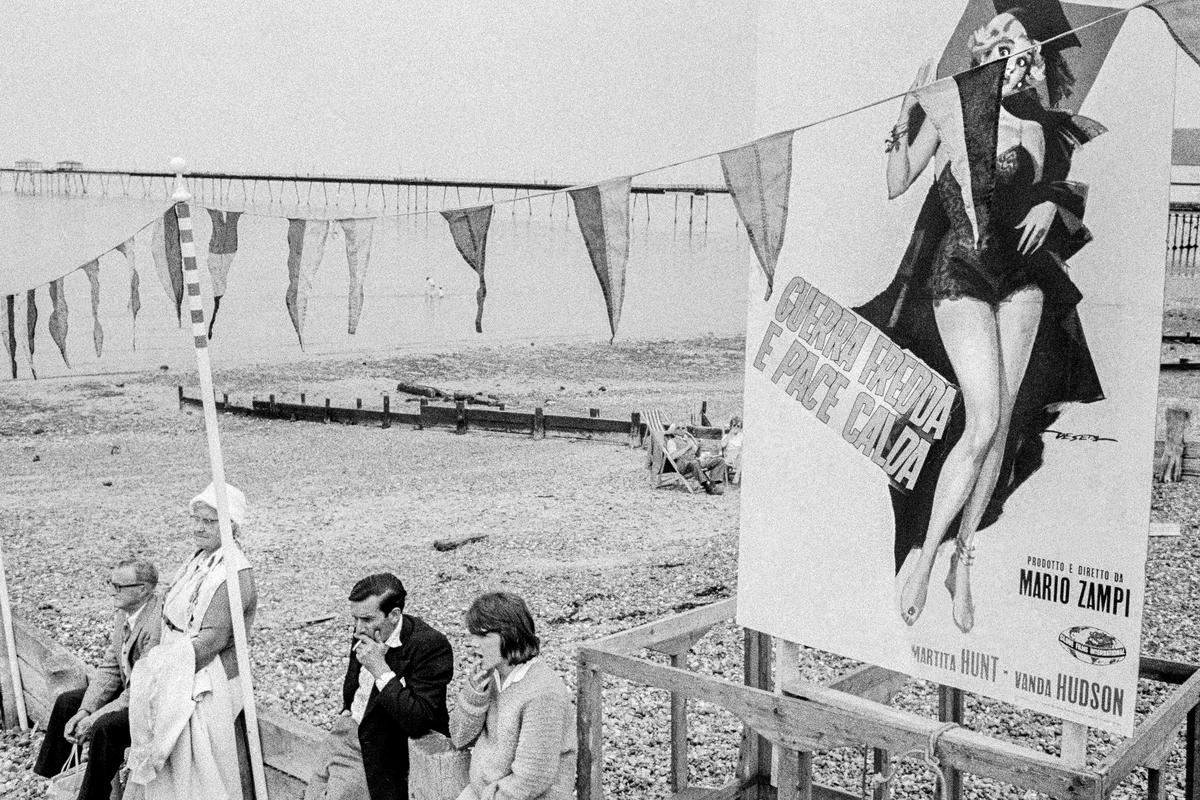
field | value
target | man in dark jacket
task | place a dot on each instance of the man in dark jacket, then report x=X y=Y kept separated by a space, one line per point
x=394 y=690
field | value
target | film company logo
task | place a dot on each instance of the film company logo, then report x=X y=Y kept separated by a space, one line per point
x=1092 y=645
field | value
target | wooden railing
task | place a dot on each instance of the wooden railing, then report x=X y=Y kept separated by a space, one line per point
x=800 y=718
x=1183 y=239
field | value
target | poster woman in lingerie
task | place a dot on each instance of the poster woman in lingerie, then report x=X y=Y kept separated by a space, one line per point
x=996 y=315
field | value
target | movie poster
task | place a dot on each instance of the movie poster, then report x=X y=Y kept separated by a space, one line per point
x=950 y=394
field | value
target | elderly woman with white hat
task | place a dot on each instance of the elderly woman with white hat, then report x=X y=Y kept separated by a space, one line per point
x=194 y=744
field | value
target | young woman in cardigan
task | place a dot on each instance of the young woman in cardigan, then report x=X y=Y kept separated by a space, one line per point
x=515 y=713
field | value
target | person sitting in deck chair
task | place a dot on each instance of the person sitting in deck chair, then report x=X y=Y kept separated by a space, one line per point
x=731 y=449
x=684 y=449
x=99 y=715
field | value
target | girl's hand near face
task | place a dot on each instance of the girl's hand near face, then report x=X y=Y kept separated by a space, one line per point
x=480 y=677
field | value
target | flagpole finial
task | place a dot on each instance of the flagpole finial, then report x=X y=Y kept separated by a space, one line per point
x=181 y=194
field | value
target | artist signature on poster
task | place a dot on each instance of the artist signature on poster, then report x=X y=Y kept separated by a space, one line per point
x=1063 y=436
x=1079 y=585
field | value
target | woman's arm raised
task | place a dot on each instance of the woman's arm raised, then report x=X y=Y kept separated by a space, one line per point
x=906 y=161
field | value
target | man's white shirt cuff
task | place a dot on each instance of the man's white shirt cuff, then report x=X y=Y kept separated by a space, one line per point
x=383 y=680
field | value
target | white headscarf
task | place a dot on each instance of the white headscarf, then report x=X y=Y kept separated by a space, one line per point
x=204 y=505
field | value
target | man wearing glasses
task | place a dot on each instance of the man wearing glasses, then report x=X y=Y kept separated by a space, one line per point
x=99 y=715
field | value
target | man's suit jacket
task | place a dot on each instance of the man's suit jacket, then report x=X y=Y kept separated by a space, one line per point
x=401 y=712
x=108 y=690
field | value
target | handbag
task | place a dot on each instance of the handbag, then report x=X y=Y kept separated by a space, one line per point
x=65 y=785
x=436 y=769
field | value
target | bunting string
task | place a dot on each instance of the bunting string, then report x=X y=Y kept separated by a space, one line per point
x=755 y=174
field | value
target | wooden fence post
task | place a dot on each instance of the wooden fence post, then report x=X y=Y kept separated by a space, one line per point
x=387 y=411
x=357 y=410
x=754 y=767
x=302 y=398
x=593 y=412
x=950 y=709
x=328 y=416
x=225 y=401
x=792 y=769
x=271 y=404
x=589 y=779
x=635 y=429
x=180 y=388
x=1191 y=782
x=1170 y=467
x=422 y=405
x=8 y=704
x=679 y=731
x=539 y=423
x=460 y=416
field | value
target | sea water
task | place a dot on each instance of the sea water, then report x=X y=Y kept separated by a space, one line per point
x=686 y=277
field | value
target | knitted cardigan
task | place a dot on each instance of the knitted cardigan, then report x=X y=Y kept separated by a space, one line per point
x=524 y=738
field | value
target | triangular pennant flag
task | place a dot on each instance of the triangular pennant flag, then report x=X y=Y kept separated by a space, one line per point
x=1183 y=21
x=8 y=330
x=358 y=233
x=306 y=245
x=222 y=246
x=168 y=261
x=966 y=112
x=135 y=281
x=469 y=228
x=31 y=318
x=92 y=270
x=759 y=177
x=58 y=318
x=603 y=214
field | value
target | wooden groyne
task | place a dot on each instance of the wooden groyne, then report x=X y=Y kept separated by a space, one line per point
x=459 y=416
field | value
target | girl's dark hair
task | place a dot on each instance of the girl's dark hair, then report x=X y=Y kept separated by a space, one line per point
x=506 y=614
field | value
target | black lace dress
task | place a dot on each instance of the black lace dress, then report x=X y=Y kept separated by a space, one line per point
x=942 y=261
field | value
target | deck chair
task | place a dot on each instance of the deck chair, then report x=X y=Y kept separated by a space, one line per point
x=663 y=469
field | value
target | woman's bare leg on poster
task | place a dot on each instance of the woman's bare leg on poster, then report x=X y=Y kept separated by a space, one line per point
x=970 y=335
x=1017 y=319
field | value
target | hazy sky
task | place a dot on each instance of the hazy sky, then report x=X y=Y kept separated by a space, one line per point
x=521 y=90
x=513 y=89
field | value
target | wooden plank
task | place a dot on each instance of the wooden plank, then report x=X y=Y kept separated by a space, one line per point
x=281 y=786
x=652 y=633
x=1158 y=757
x=871 y=682
x=1165 y=529
x=730 y=791
x=570 y=422
x=1149 y=735
x=589 y=720
x=679 y=644
x=1165 y=670
x=815 y=718
x=290 y=745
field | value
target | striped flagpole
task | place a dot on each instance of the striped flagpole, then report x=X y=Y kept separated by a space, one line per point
x=187 y=248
